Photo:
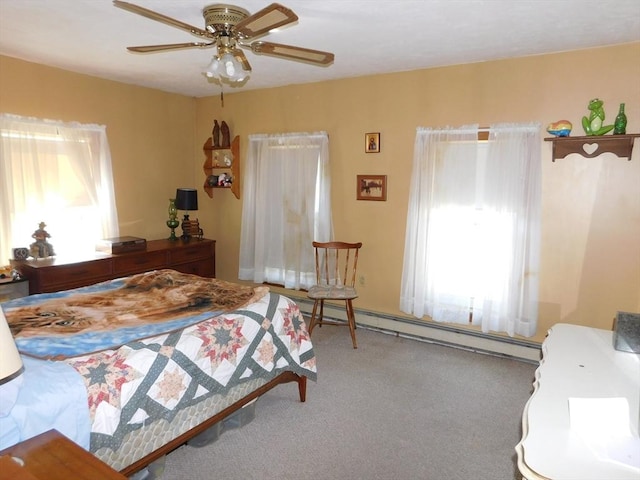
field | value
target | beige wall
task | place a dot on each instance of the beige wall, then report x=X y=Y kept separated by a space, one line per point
x=151 y=134
x=591 y=207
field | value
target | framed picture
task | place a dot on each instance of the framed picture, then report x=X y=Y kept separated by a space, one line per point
x=372 y=142
x=372 y=187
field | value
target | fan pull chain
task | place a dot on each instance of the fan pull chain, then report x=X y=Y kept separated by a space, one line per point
x=221 y=98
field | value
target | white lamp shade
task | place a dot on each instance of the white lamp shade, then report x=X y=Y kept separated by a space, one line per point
x=226 y=68
x=10 y=361
x=212 y=70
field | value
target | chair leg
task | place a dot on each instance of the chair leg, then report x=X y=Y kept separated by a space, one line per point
x=312 y=322
x=321 y=315
x=352 y=323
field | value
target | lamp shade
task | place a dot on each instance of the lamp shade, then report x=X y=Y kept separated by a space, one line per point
x=226 y=68
x=212 y=70
x=231 y=68
x=187 y=199
x=10 y=361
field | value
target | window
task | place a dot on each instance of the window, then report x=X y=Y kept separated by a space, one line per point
x=56 y=173
x=473 y=226
x=286 y=207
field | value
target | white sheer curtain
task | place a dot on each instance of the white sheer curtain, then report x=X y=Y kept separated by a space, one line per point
x=286 y=206
x=57 y=173
x=473 y=228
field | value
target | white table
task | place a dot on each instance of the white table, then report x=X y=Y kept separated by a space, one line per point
x=580 y=362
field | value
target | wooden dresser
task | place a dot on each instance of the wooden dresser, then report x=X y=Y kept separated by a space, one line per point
x=54 y=274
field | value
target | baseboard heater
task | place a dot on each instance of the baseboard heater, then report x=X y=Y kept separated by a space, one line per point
x=432 y=332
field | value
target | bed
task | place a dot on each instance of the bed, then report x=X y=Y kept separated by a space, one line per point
x=134 y=367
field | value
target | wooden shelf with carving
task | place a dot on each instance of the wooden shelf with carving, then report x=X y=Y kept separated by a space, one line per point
x=593 y=145
x=212 y=163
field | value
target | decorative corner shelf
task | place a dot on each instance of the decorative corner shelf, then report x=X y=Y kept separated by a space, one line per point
x=213 y=163
x=593 y=145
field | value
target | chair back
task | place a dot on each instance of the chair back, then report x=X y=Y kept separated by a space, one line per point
x=336 y=263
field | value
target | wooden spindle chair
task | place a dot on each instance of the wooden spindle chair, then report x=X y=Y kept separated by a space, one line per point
x=336 y=264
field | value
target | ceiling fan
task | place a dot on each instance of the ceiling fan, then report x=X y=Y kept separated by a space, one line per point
x=228 y=27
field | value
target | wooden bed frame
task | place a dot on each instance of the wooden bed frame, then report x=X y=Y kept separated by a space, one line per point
x=284 y=377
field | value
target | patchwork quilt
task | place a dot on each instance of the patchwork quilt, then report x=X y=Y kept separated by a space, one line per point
x=155 y=376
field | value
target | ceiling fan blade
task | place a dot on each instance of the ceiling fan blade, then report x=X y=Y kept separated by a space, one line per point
x=198 y=32
x=291 y=52
x=273 y=16
x=169 y=46
x=240 y=56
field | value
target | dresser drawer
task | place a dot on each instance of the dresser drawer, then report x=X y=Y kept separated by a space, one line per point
x=84 y=272
x=129 y=264
x=190 y=253
x=202 y=268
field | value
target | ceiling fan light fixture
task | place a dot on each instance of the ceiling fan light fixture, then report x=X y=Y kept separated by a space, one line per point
x=227 y=27
x=227 y=68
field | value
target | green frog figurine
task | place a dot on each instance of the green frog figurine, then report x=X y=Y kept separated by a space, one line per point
x=593 y=124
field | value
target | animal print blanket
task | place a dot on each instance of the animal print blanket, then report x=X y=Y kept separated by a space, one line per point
x=113 y=313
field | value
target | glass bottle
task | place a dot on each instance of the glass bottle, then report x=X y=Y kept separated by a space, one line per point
x=173 y=210
x=620 y=125
x=173 y=222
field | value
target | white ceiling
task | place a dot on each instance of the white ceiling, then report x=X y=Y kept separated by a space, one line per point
x=367 y=37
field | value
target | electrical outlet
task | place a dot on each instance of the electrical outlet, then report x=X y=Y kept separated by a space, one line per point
x=361 y=280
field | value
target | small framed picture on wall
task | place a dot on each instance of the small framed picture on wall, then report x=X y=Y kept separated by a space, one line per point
x=372 y=187
x=372 y=142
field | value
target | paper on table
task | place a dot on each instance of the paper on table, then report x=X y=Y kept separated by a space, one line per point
x=604 y=424
x=599 y=416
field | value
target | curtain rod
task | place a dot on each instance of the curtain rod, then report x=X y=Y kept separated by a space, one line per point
x=321 y=134
x=482 y=131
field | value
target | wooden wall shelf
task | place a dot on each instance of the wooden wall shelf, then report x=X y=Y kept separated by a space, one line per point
x=593 y=145
x=215 y=162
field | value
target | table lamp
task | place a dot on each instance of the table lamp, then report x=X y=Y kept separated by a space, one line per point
x=186 y=199
x=10 y=367
x=10 y=361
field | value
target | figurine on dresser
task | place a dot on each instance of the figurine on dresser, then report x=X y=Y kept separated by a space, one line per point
x=41 y=248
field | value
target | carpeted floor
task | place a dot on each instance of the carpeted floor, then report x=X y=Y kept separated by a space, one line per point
x=394 y=409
